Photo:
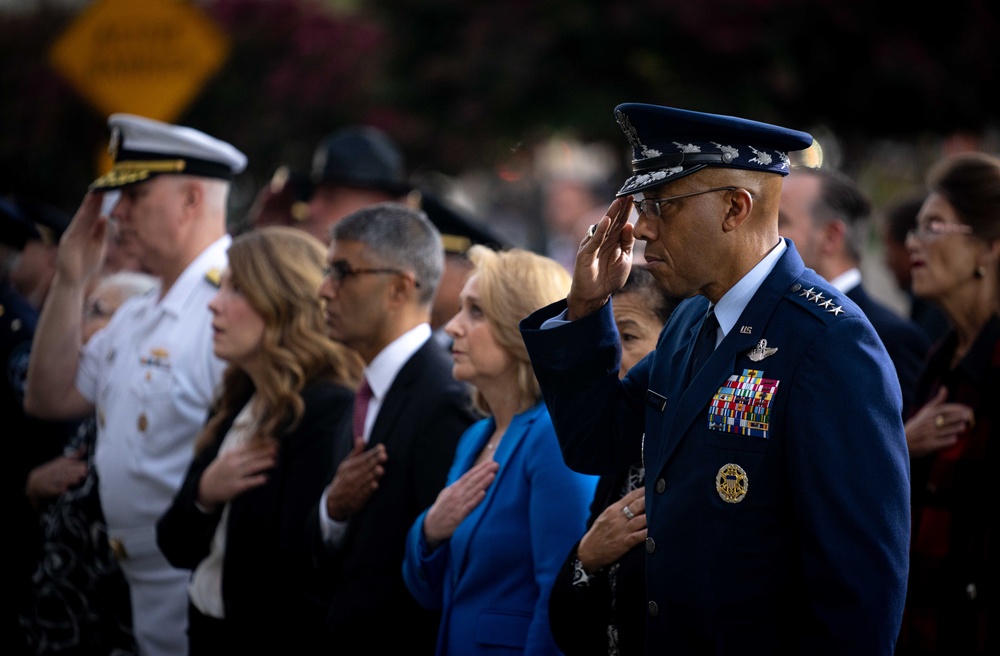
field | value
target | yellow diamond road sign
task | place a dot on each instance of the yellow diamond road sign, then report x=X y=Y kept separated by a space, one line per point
x=147 y=57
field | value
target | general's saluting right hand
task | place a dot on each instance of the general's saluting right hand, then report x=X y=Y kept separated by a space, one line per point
x=602 y=262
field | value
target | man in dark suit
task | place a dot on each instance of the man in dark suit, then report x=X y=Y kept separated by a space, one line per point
x=827 y=216
x=768 y=417
x=384 y=265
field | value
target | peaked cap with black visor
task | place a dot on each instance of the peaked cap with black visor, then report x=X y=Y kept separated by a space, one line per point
x=668 y=144
x=143 y=148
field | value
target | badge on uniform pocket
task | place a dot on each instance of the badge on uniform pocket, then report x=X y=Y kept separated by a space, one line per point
x=743 y=405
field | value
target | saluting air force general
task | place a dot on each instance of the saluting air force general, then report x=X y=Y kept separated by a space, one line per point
x=768 y=417
x=151 y=373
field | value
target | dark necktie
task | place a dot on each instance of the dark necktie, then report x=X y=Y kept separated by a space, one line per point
x=361 y=399
x=705 y=343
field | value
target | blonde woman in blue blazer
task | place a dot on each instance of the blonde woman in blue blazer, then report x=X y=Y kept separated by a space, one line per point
x=487 y=551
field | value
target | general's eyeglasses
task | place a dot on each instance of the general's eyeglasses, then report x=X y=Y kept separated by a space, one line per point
x=651 y=206
x=341 y=270
x=935 y=229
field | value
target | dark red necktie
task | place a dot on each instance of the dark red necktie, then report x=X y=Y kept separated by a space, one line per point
x=361 y=399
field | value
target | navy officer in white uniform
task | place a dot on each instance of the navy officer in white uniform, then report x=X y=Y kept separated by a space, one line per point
x=777 y=493
x=150 y=375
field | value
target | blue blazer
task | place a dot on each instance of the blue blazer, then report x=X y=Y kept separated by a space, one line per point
x=492 y=579
x=783 y=536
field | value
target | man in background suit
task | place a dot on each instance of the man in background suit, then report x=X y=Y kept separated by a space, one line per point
x=768 y=417
x=827 y=216
x=384 y=265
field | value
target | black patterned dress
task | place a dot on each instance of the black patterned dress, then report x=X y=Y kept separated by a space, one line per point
x=80 y=599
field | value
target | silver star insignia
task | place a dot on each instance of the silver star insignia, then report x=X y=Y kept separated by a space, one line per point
x=808 y=293
x=827 y=303
x=837 y=310
x=818 y=297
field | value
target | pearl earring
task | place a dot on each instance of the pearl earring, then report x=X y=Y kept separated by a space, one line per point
x=980 y=272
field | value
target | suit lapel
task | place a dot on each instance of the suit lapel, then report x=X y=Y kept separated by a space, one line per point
x=398 y=395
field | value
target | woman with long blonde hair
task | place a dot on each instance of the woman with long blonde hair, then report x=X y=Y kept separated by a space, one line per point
x=264 y=455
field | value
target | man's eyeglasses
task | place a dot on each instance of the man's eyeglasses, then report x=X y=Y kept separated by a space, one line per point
x=935 y=229
x=651 y=206
x=341 y=270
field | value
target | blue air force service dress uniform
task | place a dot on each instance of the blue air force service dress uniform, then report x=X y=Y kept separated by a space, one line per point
x=776 y=479
x=151 y=375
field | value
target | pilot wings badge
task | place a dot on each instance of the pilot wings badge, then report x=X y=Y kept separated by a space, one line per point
x=761 y=351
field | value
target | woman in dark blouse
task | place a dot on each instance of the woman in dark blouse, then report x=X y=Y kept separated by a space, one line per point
x=264 y=457
x=953 y=594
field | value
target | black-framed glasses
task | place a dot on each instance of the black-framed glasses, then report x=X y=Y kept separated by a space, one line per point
x=341 y=270
x=935 y=229
x=651 y=206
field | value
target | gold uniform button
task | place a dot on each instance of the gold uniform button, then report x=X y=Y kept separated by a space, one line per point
x=143 y=423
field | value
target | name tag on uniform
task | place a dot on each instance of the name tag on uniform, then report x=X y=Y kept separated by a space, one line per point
x=656 y=400
x=743 y=405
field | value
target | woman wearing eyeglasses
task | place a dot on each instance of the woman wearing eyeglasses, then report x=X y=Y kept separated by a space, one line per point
x=488 y=549
x=265 y=455
x=954 y=587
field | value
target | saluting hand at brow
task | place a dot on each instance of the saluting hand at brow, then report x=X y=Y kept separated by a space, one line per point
x=602 y=262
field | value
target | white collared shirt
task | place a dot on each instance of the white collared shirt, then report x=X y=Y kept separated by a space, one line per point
x=733 y=302
x=382 y=370
x=847 y=281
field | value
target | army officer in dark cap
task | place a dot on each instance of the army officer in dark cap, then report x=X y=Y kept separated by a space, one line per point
x=768 y=418
x=354 y=167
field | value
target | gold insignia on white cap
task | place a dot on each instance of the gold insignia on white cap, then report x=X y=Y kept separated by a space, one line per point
x=143 y=148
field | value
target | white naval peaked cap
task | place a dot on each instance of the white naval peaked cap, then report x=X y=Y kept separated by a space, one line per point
x=143 y=148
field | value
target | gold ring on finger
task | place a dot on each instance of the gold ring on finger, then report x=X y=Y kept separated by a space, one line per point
x=939 y=421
